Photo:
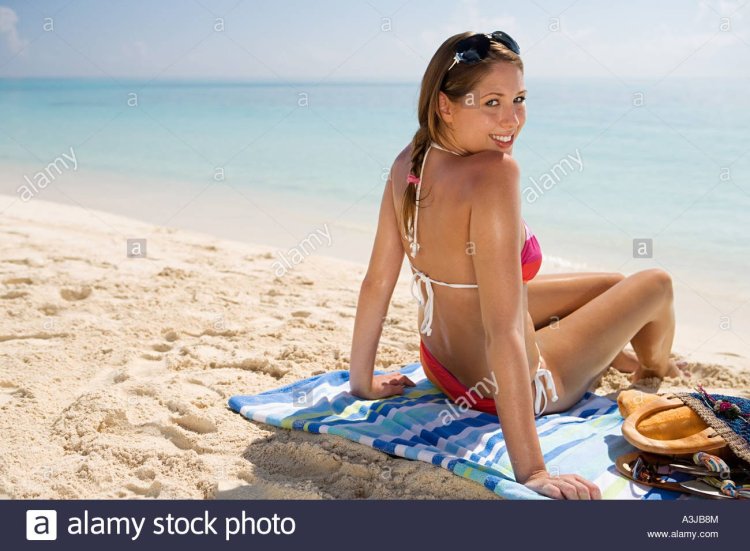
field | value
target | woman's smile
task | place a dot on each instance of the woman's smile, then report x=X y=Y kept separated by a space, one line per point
x=503 y=141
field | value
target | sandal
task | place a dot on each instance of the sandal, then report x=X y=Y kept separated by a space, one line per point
x=654 y=471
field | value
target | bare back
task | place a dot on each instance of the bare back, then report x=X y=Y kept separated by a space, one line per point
x=457 y=338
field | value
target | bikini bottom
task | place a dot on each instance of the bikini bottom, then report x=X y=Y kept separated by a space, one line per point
x=445 y=381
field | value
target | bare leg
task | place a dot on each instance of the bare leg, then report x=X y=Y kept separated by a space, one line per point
x=551 y=297
x=653 y=344
x=583 y=344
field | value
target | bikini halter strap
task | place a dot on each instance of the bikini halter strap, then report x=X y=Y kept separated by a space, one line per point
x=413 y=241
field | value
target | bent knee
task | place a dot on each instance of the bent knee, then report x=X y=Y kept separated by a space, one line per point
x=660 y=279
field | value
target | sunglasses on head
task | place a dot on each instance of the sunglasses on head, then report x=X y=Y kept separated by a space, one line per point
x=474 y=48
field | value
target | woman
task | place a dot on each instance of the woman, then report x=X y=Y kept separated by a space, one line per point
x=453 y=205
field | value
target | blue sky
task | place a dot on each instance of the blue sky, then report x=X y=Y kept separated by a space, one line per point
x=373 y=40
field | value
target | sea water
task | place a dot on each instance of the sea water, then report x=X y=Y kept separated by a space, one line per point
x=665 y=161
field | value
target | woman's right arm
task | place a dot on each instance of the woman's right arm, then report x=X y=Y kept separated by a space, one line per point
x=495 y=233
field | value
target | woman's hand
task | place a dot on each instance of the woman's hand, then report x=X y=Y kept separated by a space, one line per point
x=383 y=386
x=564 y=486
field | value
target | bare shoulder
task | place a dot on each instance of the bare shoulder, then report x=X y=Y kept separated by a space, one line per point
x=494 y=175
x=400 y=167
x=404 y=156
x=495 y=201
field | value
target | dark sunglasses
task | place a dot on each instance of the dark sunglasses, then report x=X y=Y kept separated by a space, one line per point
x=474 y=48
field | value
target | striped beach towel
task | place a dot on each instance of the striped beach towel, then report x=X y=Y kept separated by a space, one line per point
x=423 y=424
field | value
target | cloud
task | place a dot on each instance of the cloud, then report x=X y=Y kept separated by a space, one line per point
x=8 y=31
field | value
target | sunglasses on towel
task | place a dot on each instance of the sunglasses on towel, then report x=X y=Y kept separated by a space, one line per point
x=474 y=48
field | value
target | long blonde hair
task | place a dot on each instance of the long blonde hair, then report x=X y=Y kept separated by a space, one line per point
x=459 y=82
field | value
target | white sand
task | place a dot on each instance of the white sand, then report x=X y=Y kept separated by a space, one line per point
x=115 y=372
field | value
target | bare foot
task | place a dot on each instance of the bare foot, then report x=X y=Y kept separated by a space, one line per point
x=677 y=368
x=626 y=362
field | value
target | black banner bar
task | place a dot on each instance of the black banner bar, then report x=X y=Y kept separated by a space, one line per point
x=362 y=525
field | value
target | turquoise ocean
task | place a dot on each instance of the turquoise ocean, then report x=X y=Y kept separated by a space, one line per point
x=667 y=161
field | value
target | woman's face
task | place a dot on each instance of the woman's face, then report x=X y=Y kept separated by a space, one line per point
x=492 y=115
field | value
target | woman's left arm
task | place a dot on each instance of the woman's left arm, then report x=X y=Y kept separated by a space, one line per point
x=375 y=295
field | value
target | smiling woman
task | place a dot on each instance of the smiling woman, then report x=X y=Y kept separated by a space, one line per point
x=471 y=112
x=462 y=87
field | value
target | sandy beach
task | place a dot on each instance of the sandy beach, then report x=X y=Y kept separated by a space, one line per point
x=116 y=371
